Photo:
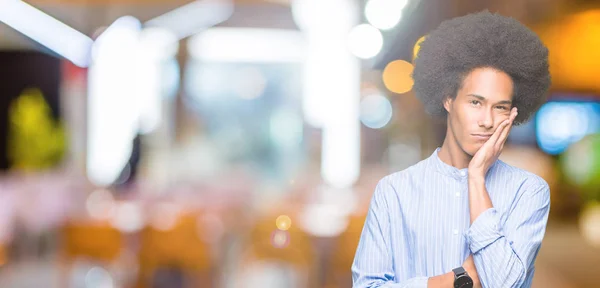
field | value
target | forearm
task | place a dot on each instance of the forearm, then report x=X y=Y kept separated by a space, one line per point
x=441 y=281
x=372 y=281
x=479 y=199
x=498 y=265
x=496 y=262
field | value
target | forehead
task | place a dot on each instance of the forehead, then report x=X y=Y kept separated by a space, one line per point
x=489 y=83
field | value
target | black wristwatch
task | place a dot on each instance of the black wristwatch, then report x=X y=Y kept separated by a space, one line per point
x=462 y=278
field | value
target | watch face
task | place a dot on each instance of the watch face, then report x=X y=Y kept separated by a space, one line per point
x=463 y=281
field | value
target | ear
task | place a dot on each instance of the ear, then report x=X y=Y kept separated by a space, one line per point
x=448 y=104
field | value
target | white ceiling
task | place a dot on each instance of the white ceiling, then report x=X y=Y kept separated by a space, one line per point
x=88 y=18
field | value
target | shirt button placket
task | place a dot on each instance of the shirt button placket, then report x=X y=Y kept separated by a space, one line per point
x=458 y=207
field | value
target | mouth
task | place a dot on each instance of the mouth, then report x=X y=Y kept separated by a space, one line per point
x=481 y=137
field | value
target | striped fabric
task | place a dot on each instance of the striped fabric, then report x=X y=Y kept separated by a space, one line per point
x=418 y=227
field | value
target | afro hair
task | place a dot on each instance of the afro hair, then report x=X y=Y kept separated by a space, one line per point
x=478 y=40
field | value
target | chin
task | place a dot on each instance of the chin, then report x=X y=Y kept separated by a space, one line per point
x=473 y=148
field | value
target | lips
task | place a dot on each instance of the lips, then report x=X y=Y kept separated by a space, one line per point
x=482 y=136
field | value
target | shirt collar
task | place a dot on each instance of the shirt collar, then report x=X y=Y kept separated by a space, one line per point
x=447 y=169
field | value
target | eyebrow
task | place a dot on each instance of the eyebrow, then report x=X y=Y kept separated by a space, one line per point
x=484 y=99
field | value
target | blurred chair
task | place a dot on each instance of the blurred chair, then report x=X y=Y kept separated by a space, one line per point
x=3 y=256
x=177 y=254
x=343 y=253
x=97 y=242
x=278 y=258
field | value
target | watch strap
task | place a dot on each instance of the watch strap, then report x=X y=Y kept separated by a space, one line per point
x=459 y=271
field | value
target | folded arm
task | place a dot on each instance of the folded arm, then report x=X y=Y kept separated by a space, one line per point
x=504 y=254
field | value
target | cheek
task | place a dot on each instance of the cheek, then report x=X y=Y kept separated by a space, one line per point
x=461 y=125
x=499 y=119
x=468 y=122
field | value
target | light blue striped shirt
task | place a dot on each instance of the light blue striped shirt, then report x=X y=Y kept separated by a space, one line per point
x=418 y=227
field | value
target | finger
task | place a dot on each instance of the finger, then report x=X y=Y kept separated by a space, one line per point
x=513 y=114
x=506 y=130
x=494 y=138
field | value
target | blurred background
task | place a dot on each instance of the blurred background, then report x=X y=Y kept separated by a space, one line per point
x=237 y=143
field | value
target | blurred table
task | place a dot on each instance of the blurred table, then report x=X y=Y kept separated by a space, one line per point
x=565 y=259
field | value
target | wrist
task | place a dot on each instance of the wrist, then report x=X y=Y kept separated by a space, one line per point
x=470 y=270
x=462 y=276
x=441 y=281
x=476 y=177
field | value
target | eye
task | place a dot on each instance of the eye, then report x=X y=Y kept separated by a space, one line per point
x=502 y=108
x=475 y=102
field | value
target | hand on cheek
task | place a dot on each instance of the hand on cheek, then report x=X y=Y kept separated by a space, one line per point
x=490 y=151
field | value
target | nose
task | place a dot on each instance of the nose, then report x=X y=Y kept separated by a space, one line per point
x=486 y=120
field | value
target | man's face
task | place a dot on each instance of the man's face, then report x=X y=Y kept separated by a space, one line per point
x=481 y=104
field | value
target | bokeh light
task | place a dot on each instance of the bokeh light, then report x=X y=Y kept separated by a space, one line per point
x=574 y=61
x=375 y=111
x=397 y=76
x=324 y=220
x=128 y=217
x=280 y=239
x=560 y=124
x=250 y=83
x=384 y=14
x=286 y=128
x=165 y=216
x=283 y=222
x=581 y=162
x=417 y=47
x=365 y=41
x=314 y=15
x=589 y=224
x=100 y=204
x=98 y=277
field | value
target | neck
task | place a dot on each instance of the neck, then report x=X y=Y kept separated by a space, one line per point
x=452 y=154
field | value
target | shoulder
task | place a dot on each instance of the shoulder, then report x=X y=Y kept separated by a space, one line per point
x=395 y=183
x=526 y=181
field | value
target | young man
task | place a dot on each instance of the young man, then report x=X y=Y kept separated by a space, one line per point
x=461 y=217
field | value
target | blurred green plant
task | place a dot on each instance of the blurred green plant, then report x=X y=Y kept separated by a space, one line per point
x=581 y=166
x=35 y=140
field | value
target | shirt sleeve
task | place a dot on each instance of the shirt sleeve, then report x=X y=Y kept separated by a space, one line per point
x=373 y=261
x=504 y=255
